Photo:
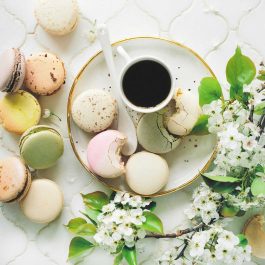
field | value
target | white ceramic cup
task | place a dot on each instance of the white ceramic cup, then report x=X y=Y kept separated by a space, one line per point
x=131 y=61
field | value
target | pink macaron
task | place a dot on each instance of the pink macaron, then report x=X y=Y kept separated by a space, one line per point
x=104 y=154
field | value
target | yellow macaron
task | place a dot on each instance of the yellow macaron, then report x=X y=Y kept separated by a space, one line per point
x=19 y=111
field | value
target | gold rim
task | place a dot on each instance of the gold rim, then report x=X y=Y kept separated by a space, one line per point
x=159 y=194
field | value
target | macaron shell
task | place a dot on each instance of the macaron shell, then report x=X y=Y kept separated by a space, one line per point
x=19 y=111
x=94 y=110
x=15 y=179
x=58 y=17
x=41 y=149
x=146 y=173
x=45 y=73
x=153 y=136
x=44 y=201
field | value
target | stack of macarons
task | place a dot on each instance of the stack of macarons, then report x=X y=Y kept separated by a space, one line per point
x=40 y=146
x=146 y=172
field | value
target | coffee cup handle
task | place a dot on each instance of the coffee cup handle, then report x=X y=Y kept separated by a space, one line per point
x=124 y=54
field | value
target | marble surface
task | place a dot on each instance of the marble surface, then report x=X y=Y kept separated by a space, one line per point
x=213 y=28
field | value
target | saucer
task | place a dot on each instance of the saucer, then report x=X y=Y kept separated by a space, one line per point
x=194 y=154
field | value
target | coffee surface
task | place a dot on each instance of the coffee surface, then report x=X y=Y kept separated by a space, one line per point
x=146 y=83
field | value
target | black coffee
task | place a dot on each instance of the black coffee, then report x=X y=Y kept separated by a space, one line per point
x=146 y=83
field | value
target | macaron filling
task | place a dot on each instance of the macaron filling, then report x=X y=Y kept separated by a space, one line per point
x=17 y=77
x=24 y=191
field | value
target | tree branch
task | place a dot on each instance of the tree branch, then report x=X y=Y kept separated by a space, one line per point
x=178 y=233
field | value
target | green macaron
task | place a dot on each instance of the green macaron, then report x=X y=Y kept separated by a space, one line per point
x=41 y=146
x=153 y=136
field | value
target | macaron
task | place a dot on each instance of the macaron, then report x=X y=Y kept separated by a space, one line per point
x=15 y=179
x=94 y=110
x=43 y=202
x=186 y=114
x=45 y=73
x=146 y=173
x=12 y=69
x=19 y=111
x=104 y=154
x=58 y=17
x=41 y=146
x=153 y=136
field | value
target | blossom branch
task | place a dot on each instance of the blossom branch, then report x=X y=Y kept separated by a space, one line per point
x=178 y=233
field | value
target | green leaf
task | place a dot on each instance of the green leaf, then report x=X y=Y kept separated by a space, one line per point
x=79 y=247
x=118 y=259
x=80 y=227
x=152 y=223
x=260 y=108
x=201 y=127
x=92 y=215
x=221 y=178
x=95 y=200
x=130 y=255
x=220 y=187
x=259 y=168
x=243 y=242
x=240 y=70
x=228 y=210
x=209 y=90
x=258 y=187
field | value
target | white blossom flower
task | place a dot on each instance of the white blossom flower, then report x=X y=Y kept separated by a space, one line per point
x=46 y=114
x=249 y=143
x=222 y=251
x=228 y=239
x=108 y=208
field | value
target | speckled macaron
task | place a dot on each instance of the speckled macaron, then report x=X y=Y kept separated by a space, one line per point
x=19 y=111
x=58 y=17
x=94 y=110
x=43 y=202
x=45 y=73
x=153 y=136
x=15 y=179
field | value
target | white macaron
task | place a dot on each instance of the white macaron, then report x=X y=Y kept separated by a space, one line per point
x=58 y=17
x=146 y=173
x=94 y=110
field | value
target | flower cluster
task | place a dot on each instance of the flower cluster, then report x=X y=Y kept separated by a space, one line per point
x=205 y=205
x=217 y=244
x=237 y=135
x=120 y=222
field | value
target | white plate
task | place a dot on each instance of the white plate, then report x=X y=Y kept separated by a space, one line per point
x=195 y=153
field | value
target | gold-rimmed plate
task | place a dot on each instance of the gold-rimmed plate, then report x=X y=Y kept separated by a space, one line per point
x=194 y=154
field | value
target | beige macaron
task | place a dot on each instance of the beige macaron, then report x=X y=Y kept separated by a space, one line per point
x=58 y=17
x=146 y=173
x=44 y=201
x=45 y=73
